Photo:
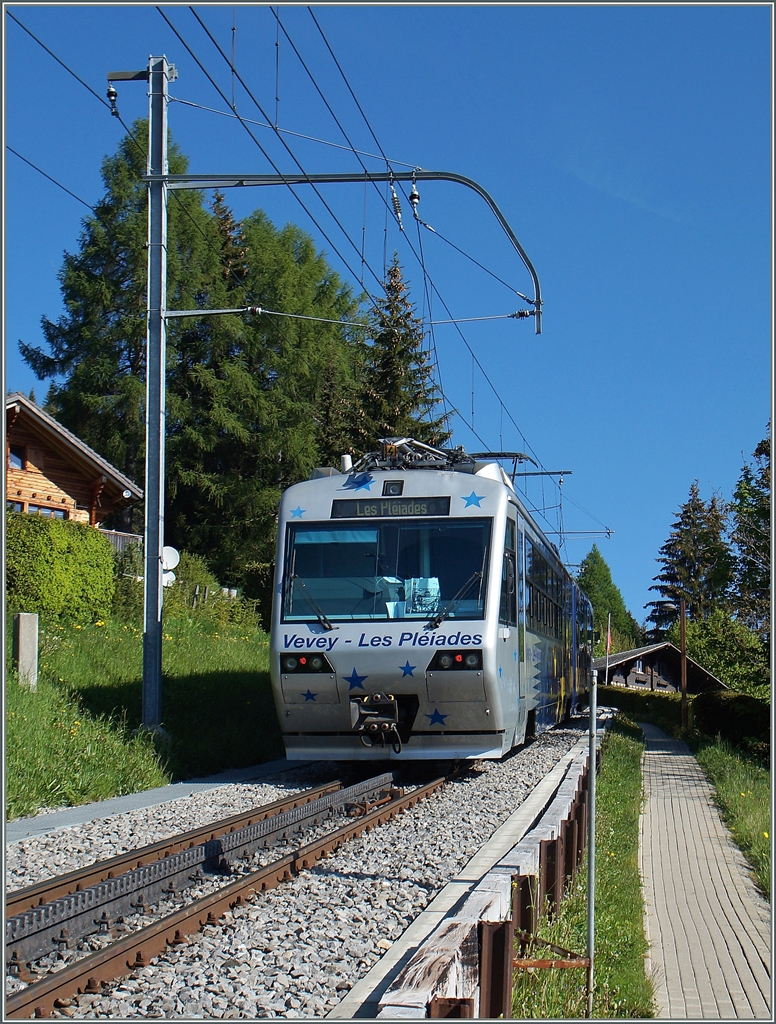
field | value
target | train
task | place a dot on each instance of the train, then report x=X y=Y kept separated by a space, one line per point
x=420 y=612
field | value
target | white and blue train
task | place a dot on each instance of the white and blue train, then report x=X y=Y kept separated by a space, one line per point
x=420 y=612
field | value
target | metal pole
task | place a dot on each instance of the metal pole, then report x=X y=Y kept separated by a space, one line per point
x=155 y=385
x=683 y=636
x=591 y=843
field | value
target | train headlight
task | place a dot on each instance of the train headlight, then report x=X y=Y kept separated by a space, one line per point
x=292 y=663
x=445 y=661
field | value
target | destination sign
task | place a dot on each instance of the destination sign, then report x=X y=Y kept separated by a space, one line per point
x=389 y=508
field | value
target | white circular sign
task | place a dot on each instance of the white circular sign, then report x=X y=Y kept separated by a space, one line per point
x=170 y=558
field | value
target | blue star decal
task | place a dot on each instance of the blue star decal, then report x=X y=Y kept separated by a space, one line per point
x=436 y=718
x=358 y=482
x=309 y=695
x=298 y=512
x=407 y=670
x=472 y=499
x=356 y=681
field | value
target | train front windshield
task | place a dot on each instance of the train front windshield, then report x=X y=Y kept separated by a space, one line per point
x=386 y=570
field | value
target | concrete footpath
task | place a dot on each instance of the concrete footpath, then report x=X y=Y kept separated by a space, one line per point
x=40 y=824
x=709 y=928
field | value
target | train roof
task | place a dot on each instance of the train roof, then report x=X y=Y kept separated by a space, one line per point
x=405 y=453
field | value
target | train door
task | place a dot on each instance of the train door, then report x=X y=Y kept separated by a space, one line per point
x=522 y=664
x=507 y=656
x=574 y=628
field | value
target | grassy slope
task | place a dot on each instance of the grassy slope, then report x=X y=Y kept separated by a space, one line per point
x=72 y=741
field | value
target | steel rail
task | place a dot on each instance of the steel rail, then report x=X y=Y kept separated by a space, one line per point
x=34 y=933
x=32 y=896
x=134 y=951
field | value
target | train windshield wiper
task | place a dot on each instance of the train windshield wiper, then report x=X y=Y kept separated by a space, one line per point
x=312 y=603
x=437 y=621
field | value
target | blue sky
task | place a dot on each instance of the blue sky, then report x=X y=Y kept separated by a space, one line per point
x=628 y=147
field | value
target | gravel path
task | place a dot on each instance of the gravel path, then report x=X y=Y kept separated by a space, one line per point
x=295 y=951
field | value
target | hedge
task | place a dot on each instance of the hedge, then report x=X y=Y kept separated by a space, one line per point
x=661 y=709
x=57 y=566
x=736 y=717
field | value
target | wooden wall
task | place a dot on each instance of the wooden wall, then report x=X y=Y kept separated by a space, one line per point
x=51 y=480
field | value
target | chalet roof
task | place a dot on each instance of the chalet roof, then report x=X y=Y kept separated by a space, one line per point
x=698 y=678
x=81 y=454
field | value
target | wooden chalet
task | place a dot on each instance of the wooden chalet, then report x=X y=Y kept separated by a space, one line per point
x=657 y=667
x=51 y=472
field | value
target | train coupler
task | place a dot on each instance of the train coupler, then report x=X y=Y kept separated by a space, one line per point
x=375 y=718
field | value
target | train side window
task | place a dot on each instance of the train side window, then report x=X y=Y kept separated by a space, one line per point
x=508 y=606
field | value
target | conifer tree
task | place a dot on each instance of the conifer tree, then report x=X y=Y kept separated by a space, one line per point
x=751 y=535
x=96 y=349
x=697 y=564
x=398 y=394
x=249 y=392
x=595 y=579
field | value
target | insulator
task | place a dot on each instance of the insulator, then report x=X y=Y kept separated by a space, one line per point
x=396 y=204
x=414 y=199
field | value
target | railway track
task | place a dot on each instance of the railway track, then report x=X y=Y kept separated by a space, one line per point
x=97 y=899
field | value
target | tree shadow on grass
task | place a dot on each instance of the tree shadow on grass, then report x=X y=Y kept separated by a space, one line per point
x=215 y=721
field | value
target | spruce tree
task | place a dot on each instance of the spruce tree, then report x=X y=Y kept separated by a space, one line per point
x=595 y=579
x=696 y=564
x=398 y=395
x=751 y=535
x=96 y=349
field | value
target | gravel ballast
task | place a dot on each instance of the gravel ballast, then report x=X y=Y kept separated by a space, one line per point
x=295 y=951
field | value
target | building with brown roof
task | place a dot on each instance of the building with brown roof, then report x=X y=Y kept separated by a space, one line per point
x=51 y=472
x=656 y=667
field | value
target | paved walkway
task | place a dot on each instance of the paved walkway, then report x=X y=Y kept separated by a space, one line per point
x=708 y=926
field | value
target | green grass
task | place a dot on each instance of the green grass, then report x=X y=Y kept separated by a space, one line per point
x=56 y=756
x=622 y=989
x=743 y=792
x=217 y=710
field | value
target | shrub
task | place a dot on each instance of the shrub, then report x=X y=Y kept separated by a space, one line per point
x=195 y=594
x=128 y=595
x=258 y=580
x=736 y=717
x=661 y=709
x=191 y=573
x=58 y=566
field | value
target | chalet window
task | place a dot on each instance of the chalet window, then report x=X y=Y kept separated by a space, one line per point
x=16 y=458
x=51 y=513
x=15 y=506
